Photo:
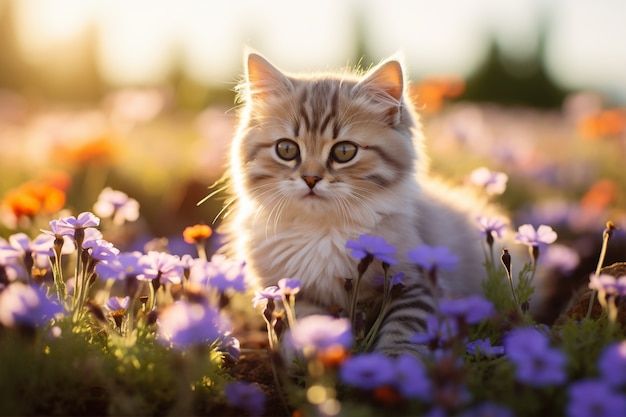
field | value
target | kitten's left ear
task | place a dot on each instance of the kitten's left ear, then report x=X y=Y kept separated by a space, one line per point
x=264 y=78
x=385 y=85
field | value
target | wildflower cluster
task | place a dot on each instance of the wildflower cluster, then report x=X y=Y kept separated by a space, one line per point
x=141 y=303
x=472 y=346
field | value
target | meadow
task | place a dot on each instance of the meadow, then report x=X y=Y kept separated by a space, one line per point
x=113 y=302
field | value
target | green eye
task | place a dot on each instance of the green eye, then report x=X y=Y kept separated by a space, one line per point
x=287 y=149
x=343 y=152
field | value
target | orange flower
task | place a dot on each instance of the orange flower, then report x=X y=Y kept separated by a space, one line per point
x=33 y=198
x=611 y=122
x=429 y=95
x=100 y=150
x=21 y=204
x=387 y=395
x=333 y=356
x=601 y=194
x=197 y=233
x=51 y=198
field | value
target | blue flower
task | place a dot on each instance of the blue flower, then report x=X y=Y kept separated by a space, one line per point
x=226 y=274
x=536 y=363
x=375 y=246
x=289 y=286
x=117 y=206
x=612 y=364
x=489 y=226
x=487 y=409
x=608 y=284
x=431 y=258
x=125 y=265
x=595 y=398
x=184 y=324
x=246 y=396
x=527 y=235
x=26 y=305
x=437 y=333
x=101 y=250
x=320 y=332
x=483 y=347
x=411 y=379
x=117 y=304
x=161 y=265
x=269 y=293
x=68 y=226
x=230 y=345
x=472 y=309
x=492 y=182
x=368 y=371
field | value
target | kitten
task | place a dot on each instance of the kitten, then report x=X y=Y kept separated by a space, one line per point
x=320 y=159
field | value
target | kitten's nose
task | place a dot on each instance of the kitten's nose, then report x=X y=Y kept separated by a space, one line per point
x=311 y=180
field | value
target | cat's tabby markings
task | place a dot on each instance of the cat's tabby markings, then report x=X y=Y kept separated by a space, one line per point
x=323 y=158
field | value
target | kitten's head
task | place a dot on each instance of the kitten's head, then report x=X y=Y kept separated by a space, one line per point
x=334 y=144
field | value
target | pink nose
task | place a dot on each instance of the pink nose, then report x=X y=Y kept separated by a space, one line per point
x=311 y=180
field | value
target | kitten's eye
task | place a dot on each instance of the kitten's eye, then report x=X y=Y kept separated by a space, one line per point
x=343 y=152
x=287 y=149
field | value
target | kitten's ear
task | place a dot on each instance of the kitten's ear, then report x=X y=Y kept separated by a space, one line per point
x=264 y=78
x=387 y=79
x=384 y=85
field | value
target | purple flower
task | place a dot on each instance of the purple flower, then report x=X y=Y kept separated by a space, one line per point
x=245 y=396
x=117 y=303
x=91 y=235
x=226 y=274
x=26 y=305
x=595 y=398
x=184 y=324
x=11 y=262
x=125 y=265
x=375 y=246
x=368 y=371
x=612 y=364
x=473 y=309
x=411 y=379
x=432 y=258
x=487 y=409
x=269 y=293
x=161 y=265
x=320 y=332
x=536 y=363
x=560 y=257
x=493 y=182
x=608 y=284
x=489 y=226
x=101 y=250
x=527 y=235
x=67 y=226
x=230 y=345
x=483 y=347
x=42 y=245
x=289 y=286
x=437 y=332
x=116 y=205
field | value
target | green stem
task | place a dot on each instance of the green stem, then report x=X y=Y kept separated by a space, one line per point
x=594 y=293
x=289 y=305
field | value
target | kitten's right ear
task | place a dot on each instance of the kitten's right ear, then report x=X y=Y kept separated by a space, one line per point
x=264 y=78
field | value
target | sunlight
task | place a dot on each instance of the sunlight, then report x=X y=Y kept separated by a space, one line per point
x=41 y=24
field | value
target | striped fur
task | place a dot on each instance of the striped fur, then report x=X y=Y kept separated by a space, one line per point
x=285 y=228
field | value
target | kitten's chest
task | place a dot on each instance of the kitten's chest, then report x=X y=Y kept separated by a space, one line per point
x=315 y=255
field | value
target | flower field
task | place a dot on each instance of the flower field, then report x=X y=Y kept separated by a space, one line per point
x=113 y=301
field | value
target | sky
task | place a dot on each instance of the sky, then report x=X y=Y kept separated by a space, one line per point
x=138 y=39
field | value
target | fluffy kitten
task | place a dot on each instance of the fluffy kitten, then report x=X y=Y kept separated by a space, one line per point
x=320 y=159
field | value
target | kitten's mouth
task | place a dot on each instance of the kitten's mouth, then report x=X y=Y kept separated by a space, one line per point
x=313 y=194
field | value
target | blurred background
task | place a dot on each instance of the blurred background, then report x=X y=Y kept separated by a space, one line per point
x=138 y=95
